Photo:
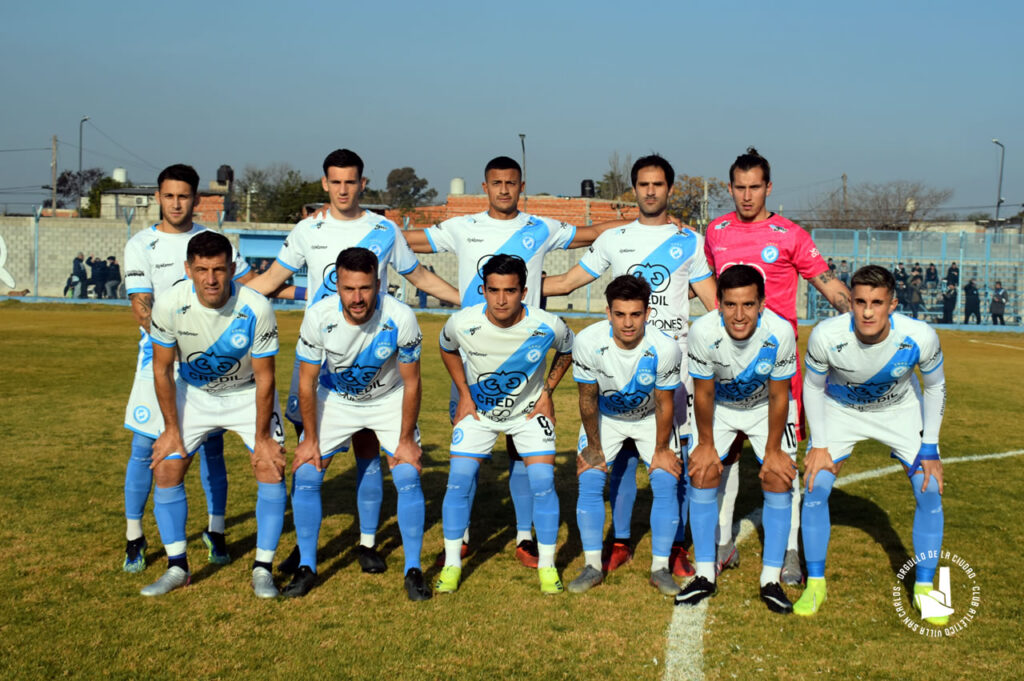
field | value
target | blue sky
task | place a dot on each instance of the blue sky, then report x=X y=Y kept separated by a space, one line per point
x=878 y=90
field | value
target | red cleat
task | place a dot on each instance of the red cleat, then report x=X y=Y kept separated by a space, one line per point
x=679 y=561
x=620 y=554
x=526 y=552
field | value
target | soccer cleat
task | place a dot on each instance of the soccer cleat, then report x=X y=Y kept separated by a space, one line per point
x=661 y=579
x=172 y=579
x=696 y=591
x=728 y=557
x=812 y=597
x=371 y=561
x=263 y=583
x=775 y=598
x=301 y=583
x=439 y=561
x=550 y=584
x=680 y=561
x=618 y=555
x=217 y=548
x=791 y=572
x=448 y=581
x=290 y=565
x=924 y=591
x=526 y=552
x=415 y=587
x=587 y=579
x=135 y=555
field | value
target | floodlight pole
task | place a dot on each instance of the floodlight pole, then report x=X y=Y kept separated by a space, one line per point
x=80 y=124
x=522 y=143
x=999 y=192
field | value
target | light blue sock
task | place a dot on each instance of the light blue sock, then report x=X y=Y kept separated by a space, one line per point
x=776 y=517
x=522 y=497
x=369 y=494
x=213 y=474
x=664 y=512
x=816 y=524
x=307 y=512
x=684 y=508
x=590 y=509
x=411 y=512
x=271 y=498
x=170 y=506
x=545 y=502
x=622 y=490
x=928 y=525
x=455 y=507
x=703 y=519
x=138 y=478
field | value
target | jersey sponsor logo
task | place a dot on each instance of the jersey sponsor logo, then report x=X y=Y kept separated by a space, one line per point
x=474 y=240
x=621 y=403
x=627 y=250
x=839 y=347
x=473 y=329
x=161 y=265
x=778 y=228
x=656 y=275
x=770 y=254
x=500 y=383
x=330 y=327
x=153 y=243
x=814 y=252
x=723 y=224
x=210 y=366
x=239 y=340
x=187 y=333
x=457 y=436
x=268 y=336
x=135 y=273
x=645 y=378
x=764 y=368
x=319 y=247
x=184 y=308
x=141 y=414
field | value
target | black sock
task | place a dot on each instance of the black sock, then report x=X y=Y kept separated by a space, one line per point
x=261 y=564
x=180 y=561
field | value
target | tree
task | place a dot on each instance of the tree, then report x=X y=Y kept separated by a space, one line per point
x=616 y=181
x=405 y=190
x=100 y=186
x=71 y=185
x=888 y=205
x=276 y=193
x=688 y=195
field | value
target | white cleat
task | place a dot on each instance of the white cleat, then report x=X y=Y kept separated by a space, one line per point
x=173 y=579
x=263 y=583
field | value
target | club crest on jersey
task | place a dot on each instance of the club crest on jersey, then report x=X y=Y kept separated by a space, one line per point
x=645 y=378
x=763 y=367
x=457 y=436
x=141 y=414
x=293 y=403
x=675 y=252
x=375 y=248
x=898 y=370
x=770 y=254
x=239 y=340
x=581 y=444
x=382 y=351
x=528 y=243
x=534 y=355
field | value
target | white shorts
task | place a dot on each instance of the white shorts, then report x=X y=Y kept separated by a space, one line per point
x=142 y=415
x=200 y=414
x=476 y=437
x=339 y=419
x=291 y=410
x=754 y=423
x=898 y=428
x=615 y=431
x=682 y=410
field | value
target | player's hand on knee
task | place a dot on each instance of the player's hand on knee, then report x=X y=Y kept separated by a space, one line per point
x=167 y=444
x=777 y=469
x=932 y=468
x=590 y=457
x=307 y=451
x=466 y=407
x=543 y=407
x=667 y=460
x=704 y=465
x=817 y=459
x=268 y=460
x=408 y=452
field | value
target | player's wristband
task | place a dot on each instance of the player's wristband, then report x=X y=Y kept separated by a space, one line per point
x=300 y=293
x=928 y=452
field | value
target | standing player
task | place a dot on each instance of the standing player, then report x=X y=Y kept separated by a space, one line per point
x=672 y=261
x=502 y=389
x=360 y=354
x=315 y=243
x=224 y=339
x=627 y=373
x=154 y=260
x=781 y=251
x=742 y=359
x=860 y=385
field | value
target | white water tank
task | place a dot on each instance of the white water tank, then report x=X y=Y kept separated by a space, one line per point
x=457 y=187
x=119 y=175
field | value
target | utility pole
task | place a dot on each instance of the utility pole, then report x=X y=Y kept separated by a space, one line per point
x=844 y=200
x=522 y=142
x=80 y=124
x=53 y=178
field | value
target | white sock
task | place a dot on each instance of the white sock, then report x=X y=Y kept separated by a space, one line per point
x=659 y=562
x=264 y=556
x=728 y=488
x=215 y=524
x=453 y=552
x=545 y=555
x=367 y=540
x=134 y=529
x=794 y=522
x=465 y=536
x=706 y=570
x=523 y=535
x=593 y=558
x=770 y=574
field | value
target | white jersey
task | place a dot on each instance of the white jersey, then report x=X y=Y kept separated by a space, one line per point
x=475 y=238
x=215 y=346
x=359 y=363
x=667 y=257
x=872 y=377
x=626 y=379
x=316 y=243
x=741 y=369
x=505 y=366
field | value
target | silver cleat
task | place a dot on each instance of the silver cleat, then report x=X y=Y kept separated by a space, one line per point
x=173 y=579
x=663 y=582
x=588 y=578
x=791 y=572
x=263 y=583
x=728 y=557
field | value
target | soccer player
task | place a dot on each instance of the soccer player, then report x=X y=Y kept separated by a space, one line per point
x=360 y=354
x=502 y=389
x=781 y=251
x=672 y=261
x=860 y=385
x=742 y=358
x=627 y=372
x=224 y=340
x=154 y=260
x=315 y=243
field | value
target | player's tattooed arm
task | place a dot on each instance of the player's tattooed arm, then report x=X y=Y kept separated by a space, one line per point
x=592 y=454
x=545 y=405
x=142 y=308
x=834 y=290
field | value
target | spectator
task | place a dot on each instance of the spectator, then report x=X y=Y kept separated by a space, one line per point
x=79 y=276
x=953 y=275
x=844 y=272
x=99 y=274
x=901 y=275
x=916 y=300
x=931 y=276
x=113 y=277
x=998 y=305
x=831 y=265
x=916 y=270
x=948 y=303
x=972 y=302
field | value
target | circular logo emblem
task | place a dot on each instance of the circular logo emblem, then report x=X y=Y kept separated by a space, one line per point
x=457 y=436
x=375 y=248
x=948 y=607
x=239 y=340
x=382 y=352
x=645 y=378
x=770 y=254
x=582 y=443
x=528 y=243
x=141 y=414
x=293 y=403
x=675 y=252
x=764 y=367
x=899 y=370
x=534 y=355
x=452 y=406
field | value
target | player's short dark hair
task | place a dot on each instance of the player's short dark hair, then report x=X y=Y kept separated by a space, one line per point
x=181 y=173
x=208 y=244
x=503 y=263
x=503 y=163
x=628 y=287
x=874 y=276
x=748 y=161
x=652 y=160
x=343 y=158
x=357 y=259
x=739 y=276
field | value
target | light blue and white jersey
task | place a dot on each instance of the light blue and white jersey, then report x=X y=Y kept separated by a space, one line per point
x=475 y=238
x=741 y=369
x=316 y=242
x=505 y=366
x=153 y=262
x=359 y=363
x=667 y=257
x=626 y=379
x=872 y=377
x=215 y=346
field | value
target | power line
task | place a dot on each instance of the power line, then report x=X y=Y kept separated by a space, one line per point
x=121 y=146
x=7 y=151
x=119 y=159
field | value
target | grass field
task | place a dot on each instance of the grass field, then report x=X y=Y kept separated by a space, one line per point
x=69 y=611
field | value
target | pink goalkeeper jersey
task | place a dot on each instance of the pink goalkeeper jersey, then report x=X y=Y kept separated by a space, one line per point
x=776 y=247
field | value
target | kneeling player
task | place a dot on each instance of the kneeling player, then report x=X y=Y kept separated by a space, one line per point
x=225 y=340
x=742 y=359
x=627 y=373
x=860 y=385
x=360 y=354
x=502 y=389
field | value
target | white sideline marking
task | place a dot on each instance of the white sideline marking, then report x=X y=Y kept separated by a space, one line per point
x=684 y=652
x=998 y=345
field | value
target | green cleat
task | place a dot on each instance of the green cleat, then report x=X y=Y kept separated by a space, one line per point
x=448 y=581
x=216 y=547
x=924 y=591
x=550 y=584
x=135 y=555
x=812 y=597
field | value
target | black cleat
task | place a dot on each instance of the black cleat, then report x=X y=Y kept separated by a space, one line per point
x=696 y=591
x=370 y=560
x=415 y=587
x=775 y=598
x=301 y=583
x=290 y=565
